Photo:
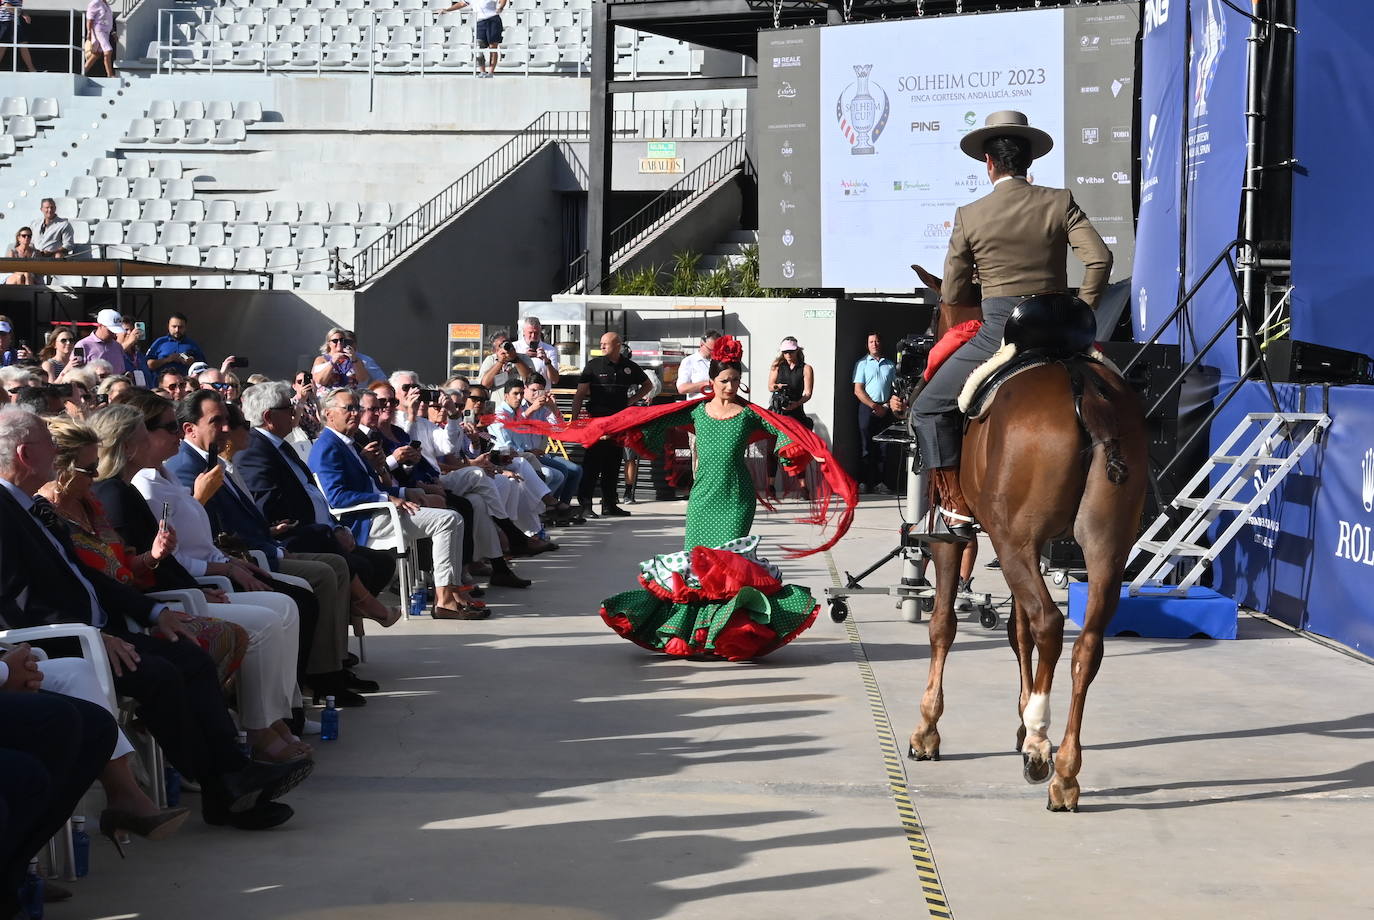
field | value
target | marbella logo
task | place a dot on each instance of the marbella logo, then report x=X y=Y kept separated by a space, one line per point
x=861 y=115
x=1355 y=542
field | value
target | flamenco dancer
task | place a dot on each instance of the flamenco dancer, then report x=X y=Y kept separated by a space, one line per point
x=719 y=597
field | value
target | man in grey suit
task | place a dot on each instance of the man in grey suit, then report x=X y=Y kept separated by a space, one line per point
x=1017 y=237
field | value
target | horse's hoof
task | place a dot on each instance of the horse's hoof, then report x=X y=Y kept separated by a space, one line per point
x=1035 y=771
x=913 y=754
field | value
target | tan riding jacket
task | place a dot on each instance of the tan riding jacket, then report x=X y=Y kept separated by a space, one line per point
x=1018 y=236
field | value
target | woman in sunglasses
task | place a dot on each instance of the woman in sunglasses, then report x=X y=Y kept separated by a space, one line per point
x=338 y=364
x=22 y=249
x=57 y=354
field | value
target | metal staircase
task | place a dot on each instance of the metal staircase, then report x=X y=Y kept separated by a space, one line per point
x=1251 y=455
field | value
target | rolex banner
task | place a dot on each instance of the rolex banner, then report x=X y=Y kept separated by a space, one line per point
x=1215 y=161
x=1156 y=280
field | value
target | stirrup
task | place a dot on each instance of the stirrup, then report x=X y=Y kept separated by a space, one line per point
x=940 y=531
x=961 y=526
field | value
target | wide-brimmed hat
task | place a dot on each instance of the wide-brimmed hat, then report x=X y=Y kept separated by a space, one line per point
x=1004 y=124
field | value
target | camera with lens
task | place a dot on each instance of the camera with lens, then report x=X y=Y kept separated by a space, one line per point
x=777 y=403
x=913 y=353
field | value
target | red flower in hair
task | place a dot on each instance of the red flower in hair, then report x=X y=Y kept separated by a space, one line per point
x=727 y=350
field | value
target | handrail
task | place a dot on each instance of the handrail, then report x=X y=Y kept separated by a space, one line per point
x=430 y=216
x=1225 y=256
x=76 y=61
x=670 y=201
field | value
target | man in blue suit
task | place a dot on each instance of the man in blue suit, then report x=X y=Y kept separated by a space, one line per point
x=326 y=604
x=347 y=479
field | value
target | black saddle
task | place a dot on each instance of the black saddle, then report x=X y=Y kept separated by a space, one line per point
x=1043 y=328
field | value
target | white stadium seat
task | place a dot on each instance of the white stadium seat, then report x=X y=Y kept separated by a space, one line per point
x=314 y=259
x=14 y=105
x=221 y=210
x=140 y=233
x=309 y=236
x=185 y=255
x=114 y=187
x=244 y=235
x=275 y=236
x=107 y=233
x=249 y=54
x=159 y=109
x=231 y=131
x=158 y=210
x=177 y=189
x=338 y=236
x=146 y=188
x=279 y=54
x=219 y=257
x=200 y=131
x=253 y=211
x=169 y=131
x=375 y=212
x=83 y=186
x=343 y=212
x=285 y=212
x=66 y=207
x=22 y=128
x=314 y=281
x=175 y=234
x=103 y=167
x=208 y=235
x=94 y=209
x=190 y=109
x=189 y=210
x=314 y=212
x=219 y=110
x=167 y=168
x=123 y=210
x=140 y=131
x=283 y=260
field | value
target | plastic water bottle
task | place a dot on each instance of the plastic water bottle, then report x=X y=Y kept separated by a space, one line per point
x=172 y=780
x=417 y=602
x=31 y=895
x=329 y=721
x=81 y=847
x=243 y=745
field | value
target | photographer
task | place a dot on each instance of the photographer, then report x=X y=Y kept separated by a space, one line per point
x=504 y=362
x=338 y=364
x=791 y=381
x=175 y=351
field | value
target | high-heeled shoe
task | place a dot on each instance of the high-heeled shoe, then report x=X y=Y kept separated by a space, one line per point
x=150 y=827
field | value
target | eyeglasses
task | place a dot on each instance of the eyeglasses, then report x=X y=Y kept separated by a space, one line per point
x=388 y=403
x=170 y=427
x=222 y=386
x=406 y=387
x=65 y=341
x=85 y=470
x=25 y=236
x=341 y=342
x=367 y=409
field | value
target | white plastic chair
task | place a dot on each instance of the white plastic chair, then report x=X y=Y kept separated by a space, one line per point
x=81 y=231
x=280 y=54
x=275 y=236
x=122 y=210
x=340 y=235
x=94 y=209
x=184 y=255
x=309 y=236
x=244 y=235
x=145 y=188
x=285 y=212
x=14 y=105
x=306 y=56
x=231 y=131
x=158 y=210
x=191 y=109
x=314 y=212
x=159 y=109
x=315 y=281
x=398 y=543
x=189 y=210
x=219 y=257
x=107 y=233
x=283 y=260
x=221 y=210
x=114 y=187
x=166 y=168
x=178 y=189
x=83 y=187
x=343 y=212
x=175 y=234
x=200 y=131
x=140 y=233
x=140 y=131
x=102 y=167
x=208 y=235
x=170 y=131
x=249 y=54
x=253 y=211
x=313 y=259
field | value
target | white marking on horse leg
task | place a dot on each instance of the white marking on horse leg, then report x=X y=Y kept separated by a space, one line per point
x=1037 y=715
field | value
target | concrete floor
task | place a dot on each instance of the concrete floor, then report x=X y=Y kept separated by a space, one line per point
x=536 y=767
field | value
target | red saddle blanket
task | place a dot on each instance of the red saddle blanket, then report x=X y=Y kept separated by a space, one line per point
x=950 y=343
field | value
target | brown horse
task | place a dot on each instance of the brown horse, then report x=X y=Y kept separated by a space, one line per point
x=1033 y=472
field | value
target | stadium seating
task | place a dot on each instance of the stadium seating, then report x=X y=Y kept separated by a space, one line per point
x=541 y=36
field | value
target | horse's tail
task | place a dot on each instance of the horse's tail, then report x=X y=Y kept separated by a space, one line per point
x=1098 y=408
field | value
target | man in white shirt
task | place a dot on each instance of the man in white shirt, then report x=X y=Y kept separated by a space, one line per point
x=542 y=355
x=488 y=29
x=694 y=373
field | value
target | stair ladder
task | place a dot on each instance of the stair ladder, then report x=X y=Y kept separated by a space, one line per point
x=1238 y=468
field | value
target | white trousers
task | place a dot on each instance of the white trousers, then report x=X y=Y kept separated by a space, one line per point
x=475 y=486
x=76 y=677
x=445 y=531
x=521 y=507
x=267 y=677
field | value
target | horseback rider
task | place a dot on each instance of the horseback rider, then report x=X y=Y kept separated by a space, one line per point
x=1016 y=238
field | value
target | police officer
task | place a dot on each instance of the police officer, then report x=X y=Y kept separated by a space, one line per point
x=604 y=389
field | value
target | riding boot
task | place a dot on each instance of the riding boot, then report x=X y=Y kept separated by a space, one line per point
x=953 y=507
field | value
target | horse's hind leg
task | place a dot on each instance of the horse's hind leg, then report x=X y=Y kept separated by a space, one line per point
x=1044 y=625
x=925 y=740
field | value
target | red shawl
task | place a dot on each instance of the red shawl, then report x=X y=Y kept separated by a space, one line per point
x=805 y=446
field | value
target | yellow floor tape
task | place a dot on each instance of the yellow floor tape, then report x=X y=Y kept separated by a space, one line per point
x=931 y=890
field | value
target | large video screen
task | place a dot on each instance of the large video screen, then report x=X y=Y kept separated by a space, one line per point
x=858 y=130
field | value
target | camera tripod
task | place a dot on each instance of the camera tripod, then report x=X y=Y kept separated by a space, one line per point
x=914 y=592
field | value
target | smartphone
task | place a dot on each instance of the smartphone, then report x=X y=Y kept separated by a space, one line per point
x=79 y=354
x=469 y=417
x=164 y=521
x=142 y=330
x=431 y=396
x=213 y=460
x=415 y=445
x=239 y=362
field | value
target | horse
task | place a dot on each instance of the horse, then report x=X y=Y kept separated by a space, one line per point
x=1034 y=468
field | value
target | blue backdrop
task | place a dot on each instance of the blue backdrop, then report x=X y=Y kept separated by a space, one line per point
x=1215 y=158
x=1332 y=271
x=1307 y=556
x=1163 y=89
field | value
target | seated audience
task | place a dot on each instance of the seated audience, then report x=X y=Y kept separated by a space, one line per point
x=43 y=581
x=338 y=364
